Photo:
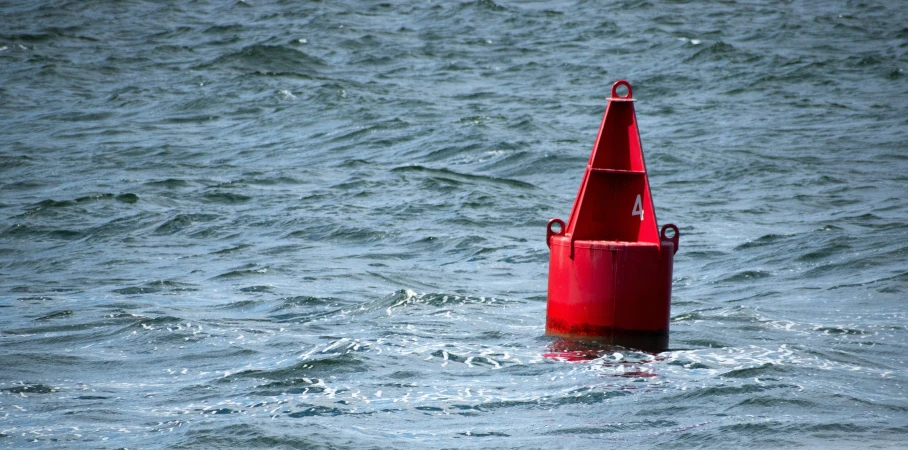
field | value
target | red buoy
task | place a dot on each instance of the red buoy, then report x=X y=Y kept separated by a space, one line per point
x=610 y=268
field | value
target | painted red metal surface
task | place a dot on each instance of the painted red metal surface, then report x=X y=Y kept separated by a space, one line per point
x=610 y=267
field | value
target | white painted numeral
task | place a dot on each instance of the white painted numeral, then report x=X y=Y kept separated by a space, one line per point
x=638 y=208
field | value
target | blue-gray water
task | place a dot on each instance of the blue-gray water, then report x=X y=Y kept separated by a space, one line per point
x=321 y=224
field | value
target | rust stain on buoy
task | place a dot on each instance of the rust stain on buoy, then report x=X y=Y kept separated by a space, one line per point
x=610 y=267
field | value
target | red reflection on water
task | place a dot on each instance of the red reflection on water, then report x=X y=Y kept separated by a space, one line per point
x=585 y=352
x=574 y=351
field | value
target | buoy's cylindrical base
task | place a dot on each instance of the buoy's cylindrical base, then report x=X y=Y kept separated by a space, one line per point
x=610 y=291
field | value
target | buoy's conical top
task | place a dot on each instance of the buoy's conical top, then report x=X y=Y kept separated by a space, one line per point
x=614 y=202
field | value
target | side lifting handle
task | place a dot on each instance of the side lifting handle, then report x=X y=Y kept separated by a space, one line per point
x=549 y=232
x=673 y=237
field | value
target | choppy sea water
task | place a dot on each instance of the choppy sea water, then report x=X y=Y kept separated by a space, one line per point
x=321 y=224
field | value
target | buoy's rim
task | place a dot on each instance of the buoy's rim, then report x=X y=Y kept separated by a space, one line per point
x=564 y=241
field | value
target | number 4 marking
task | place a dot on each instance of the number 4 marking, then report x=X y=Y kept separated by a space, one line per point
x=638 y=208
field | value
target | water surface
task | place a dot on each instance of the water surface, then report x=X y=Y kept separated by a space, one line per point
x=321 y=225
